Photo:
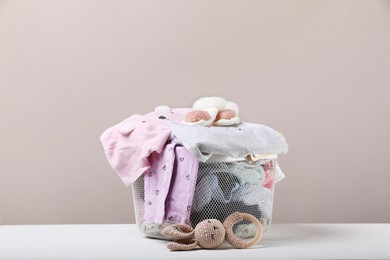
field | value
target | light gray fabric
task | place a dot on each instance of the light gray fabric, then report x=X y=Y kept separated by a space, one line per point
x=250 y=194
x=232 y=182
x=241 y=172
x=235 y=141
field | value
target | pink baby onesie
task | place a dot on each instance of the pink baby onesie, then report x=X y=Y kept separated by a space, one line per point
x=169 y=185
x=129 y=144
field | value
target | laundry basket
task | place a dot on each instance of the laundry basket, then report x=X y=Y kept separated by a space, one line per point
x=222 y=188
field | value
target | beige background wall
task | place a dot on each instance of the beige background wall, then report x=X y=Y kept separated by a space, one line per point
x=319 y=71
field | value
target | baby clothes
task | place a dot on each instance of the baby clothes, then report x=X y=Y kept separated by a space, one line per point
x=157 y=181
x=234 y=141
x=221 y=210
x=129 y=144
x=169 y=185
x=232 y=184
x=249 y=194
x=273 y=173
x=181 y=192
x=252 y=174
x=152 y=229
x=175 y=187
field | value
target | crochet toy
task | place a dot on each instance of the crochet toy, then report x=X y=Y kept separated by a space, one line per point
x=211 y=233
x=213 y=111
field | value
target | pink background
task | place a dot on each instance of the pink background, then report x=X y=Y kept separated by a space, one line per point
x=318 y=71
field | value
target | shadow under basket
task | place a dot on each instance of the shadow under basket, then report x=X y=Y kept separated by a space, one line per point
x=221 y=189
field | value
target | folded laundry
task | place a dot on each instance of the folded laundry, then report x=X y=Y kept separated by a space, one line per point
x=128 y=145
x=235 y=141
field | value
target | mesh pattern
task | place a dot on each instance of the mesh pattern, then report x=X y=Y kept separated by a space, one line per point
x=221 y=189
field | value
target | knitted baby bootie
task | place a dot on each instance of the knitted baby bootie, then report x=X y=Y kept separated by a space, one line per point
x=213 y=111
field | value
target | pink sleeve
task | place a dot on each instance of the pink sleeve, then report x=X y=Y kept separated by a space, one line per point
x=128 y=152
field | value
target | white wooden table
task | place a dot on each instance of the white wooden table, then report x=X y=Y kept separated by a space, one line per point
x=281 y=241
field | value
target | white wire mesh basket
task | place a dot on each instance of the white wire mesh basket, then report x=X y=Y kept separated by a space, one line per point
x=221 y=189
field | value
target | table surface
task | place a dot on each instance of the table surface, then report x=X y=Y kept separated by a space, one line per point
x=281 y=241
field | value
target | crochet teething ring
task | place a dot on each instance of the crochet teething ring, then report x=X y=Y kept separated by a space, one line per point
x=232 y=238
